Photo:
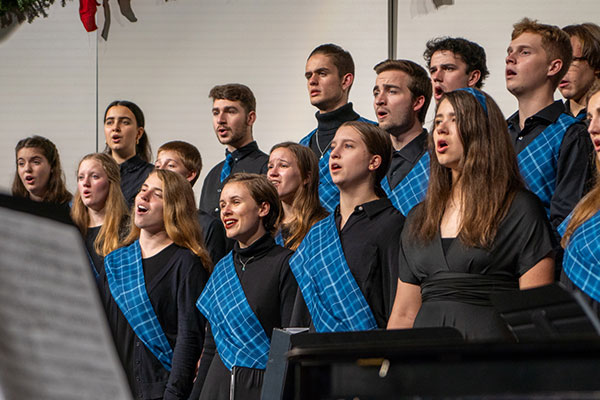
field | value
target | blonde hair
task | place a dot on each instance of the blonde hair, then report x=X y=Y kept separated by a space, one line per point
x=179 y=215
x=108 y=238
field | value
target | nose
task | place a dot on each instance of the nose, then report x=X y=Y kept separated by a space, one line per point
x=220 y=118
x=86 y=181
x=225 y=210
x=273 y=172
x=379 y=99
x=438 y=75
x=28 y=167
x=510 y=58
x=312 y=81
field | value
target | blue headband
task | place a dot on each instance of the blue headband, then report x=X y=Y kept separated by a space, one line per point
x=478 y=95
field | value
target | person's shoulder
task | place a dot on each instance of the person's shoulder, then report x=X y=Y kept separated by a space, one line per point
x=526 y=203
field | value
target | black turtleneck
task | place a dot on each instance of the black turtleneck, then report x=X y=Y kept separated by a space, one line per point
x=328 y=124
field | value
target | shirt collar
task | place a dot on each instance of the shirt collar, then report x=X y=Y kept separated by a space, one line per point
x=132 y=164
x=333 y=119
x=242 y=151
x=547 y=114
x=371 y=208
x=414 y=149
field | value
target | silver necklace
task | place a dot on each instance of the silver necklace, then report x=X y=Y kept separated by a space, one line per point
x=319 y=147
x=244 y=263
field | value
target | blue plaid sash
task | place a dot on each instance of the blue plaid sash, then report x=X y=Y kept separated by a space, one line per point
x=332 y=296
x=125 y=276
x=581 y=261
x=411 y=190
x=539 y=159
x=328 y=192
x=239 y=336
x=279 y=238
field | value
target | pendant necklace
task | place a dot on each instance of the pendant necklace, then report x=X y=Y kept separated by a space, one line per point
x=319 y=147
x=245 y=263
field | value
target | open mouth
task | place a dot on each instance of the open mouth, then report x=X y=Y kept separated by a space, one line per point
x=382 y=114
x=438 y=91
x=314 y=93
x=563 y=83
x=335 y=167
x=510 y=73
x=442 y=146
x=597 y=144
x=29 y=179
x=229 y=223
x=141 y=209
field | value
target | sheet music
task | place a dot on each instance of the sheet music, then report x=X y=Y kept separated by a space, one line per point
x=54 y=341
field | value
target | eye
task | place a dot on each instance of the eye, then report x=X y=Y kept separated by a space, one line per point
x=270 y=166
x=108 y=122
x=323 y=73
x=375 y=92
x=437 y=122
x=21 y=163
x=171 y=166
x=215 y=113
x=348 y=146
x=158 y=195
x=393 y=91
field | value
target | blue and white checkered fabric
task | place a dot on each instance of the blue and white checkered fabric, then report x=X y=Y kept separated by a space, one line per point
x=412 y=189
x=279 y=238
x=125 y=276
x=332 y=296
x=581 y=261
x=328 y=192
x=239 y=336
x=538 y=161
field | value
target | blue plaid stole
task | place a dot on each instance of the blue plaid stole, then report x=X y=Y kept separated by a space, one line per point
x=332 y=296
x=328 y=192
x=279 y=238
x=125 y=276
x=411 y=190
x=538 y=160
x=239 y=336
x=581 y=261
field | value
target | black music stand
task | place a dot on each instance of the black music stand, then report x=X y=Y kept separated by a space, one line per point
x=546 y=313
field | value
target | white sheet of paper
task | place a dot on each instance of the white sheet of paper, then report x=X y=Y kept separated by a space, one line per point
x=54 y=339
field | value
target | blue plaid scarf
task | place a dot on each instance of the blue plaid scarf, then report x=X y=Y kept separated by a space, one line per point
x=581 y=261
x=279 y=238
x=538 y=161
x=239 y=336
x=125 y=276
x=332 y=296
x=328 y=192
x=411 y=190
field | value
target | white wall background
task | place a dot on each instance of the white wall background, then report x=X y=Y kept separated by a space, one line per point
x=168 y=61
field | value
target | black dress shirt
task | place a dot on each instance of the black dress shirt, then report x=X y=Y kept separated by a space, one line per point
x=133 y=173
x=247 y=159
x=580 y=115
x=371 y=243
x=573 y=170
x=328 y=124
x=405 y=159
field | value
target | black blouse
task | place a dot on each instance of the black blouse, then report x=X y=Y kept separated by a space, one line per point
x=174 y=280
x=133 y=173
x=451 y=283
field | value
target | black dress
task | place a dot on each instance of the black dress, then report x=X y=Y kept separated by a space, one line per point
x=455 y=287
x=174 y=279
x=270 y=289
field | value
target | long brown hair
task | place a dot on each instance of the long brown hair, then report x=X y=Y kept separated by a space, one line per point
x=108 y=238
x=307 y=206
x=56 y=191
x=590 y=204
x=180 y=216
x=489 y=177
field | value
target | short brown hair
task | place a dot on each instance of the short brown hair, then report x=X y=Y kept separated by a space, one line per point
x=235 y=92
x=262 y=191
x=419 y=84
x=555 y=41
x=188 y=153
x=589 y=35
x=378 y=142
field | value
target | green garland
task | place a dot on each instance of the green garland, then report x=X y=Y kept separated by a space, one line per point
x=21 y=10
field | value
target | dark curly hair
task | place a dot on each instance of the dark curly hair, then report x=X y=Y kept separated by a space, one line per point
x=471 y=53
